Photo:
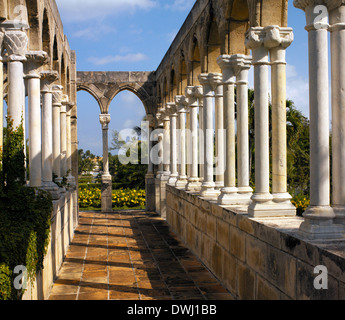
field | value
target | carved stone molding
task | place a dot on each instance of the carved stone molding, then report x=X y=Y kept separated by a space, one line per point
x=105 y=120
x=47 y=78
x=15 y=40
x=35 y=60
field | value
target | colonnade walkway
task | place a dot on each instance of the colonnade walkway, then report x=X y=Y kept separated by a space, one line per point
x=132 y=255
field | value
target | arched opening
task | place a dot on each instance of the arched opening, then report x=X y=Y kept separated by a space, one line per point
x=63 y=74
x=127 y=148
x=89 y=144
x=183 y=83
x=46 y=43
x=173 y=85
x=56 y=65
x=196 y=62
x=213 y=46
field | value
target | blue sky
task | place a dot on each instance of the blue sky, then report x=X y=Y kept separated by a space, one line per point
x=134 y=35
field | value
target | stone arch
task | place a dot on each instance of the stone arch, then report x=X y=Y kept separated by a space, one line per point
x=46 y=36
x=93 y=93
x=268 y=12
x=173 y=87
x=195 y=58
x=183 y=73
x=238 y=23
x=138 y=91
x=213 y=44
x=34 y=33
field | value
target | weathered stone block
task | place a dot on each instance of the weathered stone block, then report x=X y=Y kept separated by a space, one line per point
x=211 y=226
x=256 y=252
x=245 y=224
x=217 y=260
x=246 y=282
x=223 y=234
x=265 y=291
x=281 y=271
x=267 y=234
x=230 y=273
x=237 y=243
x=305 y=285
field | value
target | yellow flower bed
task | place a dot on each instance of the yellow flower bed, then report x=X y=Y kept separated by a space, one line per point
x=301 y=203
x=123 y=198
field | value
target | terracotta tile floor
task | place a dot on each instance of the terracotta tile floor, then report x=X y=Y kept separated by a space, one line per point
x=132 y=255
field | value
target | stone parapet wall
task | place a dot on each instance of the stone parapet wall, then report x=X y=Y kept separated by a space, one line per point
x=64 y=222
x=255 y=258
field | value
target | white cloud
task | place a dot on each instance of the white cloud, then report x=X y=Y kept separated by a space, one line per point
x=83 y=10
x=181 y=5
x=297 y=89
x=93 y=33
x=131 y=57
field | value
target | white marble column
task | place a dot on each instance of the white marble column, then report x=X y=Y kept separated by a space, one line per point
x=34 y=61
x=199 y=94
x=16 y=42
x=2 y=94
x=63 y=135
x=70 y=178
x=337 y=29
x=57 y=103
x=181 y=110
x=106 y=201
x=319 y=216
x=262 y=198
x=207 y=80
x=166 y=147
x=229 y=195
x=173 y=145
x=219 y=133
x=193 y=181
x=150 y=178
x=243 y=168
x=47 y=78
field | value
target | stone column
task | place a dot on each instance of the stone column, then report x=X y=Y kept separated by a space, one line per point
x=47 y=78
x=219 y=133
x=106 y=177
x=193 y=181
x=63 y=135
x=319 y=216
x=150 y=178
x=181 y=110
x=16 y=42
x=2 y=94
x=34 y=61
x=199 y=94
x=166 y=147
x=57 y=103
x=173 y=145
x=337 y=29
x=262 y=198
x=277 y=40
x=70 y=178
x=229 y=195
x=243 y=170
x=208 y=188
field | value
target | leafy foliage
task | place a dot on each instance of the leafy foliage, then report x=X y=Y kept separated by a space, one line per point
x=24 y=216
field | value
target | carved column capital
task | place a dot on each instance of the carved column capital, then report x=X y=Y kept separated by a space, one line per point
x=181 y=103
x=333 y=4
x=150 y=118
x=1 y=42
x=57 y=95
x=105 y=119
x=277 y=36
x=192 y=98
x=15 y=40
x=34 y=61
x=47 y=79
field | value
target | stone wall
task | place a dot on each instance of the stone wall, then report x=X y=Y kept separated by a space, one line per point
x=255 y=258
x=64 y=222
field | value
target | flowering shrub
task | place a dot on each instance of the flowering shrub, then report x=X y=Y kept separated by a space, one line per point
x=122 y=198
x=301 y=202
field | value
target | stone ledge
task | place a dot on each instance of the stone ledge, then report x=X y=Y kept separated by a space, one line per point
x=278 y=270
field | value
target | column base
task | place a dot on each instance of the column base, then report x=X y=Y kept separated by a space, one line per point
x=172 y=180
x=193 y=185
x=71 y=180
x=181 y=182
x=208 y=190
x=232 y=197
x=219 y=185
x=339 y=212
x=52 y=188
x=263 y=206
x=313 y=229
x=150 y=192
x=106 y=200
